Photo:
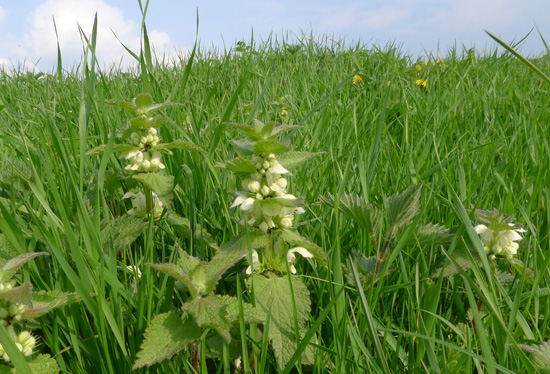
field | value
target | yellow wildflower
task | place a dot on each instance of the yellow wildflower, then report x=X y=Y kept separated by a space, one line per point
x=357 y=79
x=418 y=67
x=422 y=83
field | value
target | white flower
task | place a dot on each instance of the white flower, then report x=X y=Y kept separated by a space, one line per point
x=246 y=203
x=499 y=242
x=255 y=262
x=273 y=173
x=291 y=258
x=134 y=270
x=139 y=204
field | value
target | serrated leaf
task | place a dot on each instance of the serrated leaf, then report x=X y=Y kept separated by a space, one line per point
x=183 y=226
x=165 y=337
x=20 y=294
x=251 y=313
x=123 y=104
x=240 y=165
x=462 y=260
x=269 y=146
x=46 y=301
x=161 y=184
x=122 y=231
x=142 y=123
x=358 y=210
x=248 y=130
x=520 y=267
x=14 y=264
x=180 y=144
x=258 y=239
x=219 y=264
x=282 y=128
x=210 y=311
x=7 y=251
x=44 y=364
x=243 y=144
x=431 y=234
x=143 y=100
x=273 y=296
x=403 y=207
x=178 y=273
x=291 y=203
x=294 y=238
x=199 y=277
x=116 y=148
x=266 y=130
x=292 y=159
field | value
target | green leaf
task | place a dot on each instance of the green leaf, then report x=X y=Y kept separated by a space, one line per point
x=143 y=100
x=292 y=159
x=251 y=313
x=291 y=203
x=403 y=207
x=462 y=259
x=431 y=234
x=522 y=268
x=258 y=239
x=161 y=184
x=273 y=296
x=283 y=128
x=269 y=146
x=357 y=209
x=20 y=294
x=179 y=144
x=123 y=104
x=178 y=273
x=240 y=165
x=219 y=264
x=7 y=251
x=44 y=364
x=46 y=301
x=243 y=144
x=294 y=238
x=183 y=226
x=165 y=337
x=122 y=231
x=210 y=311
x=249 y=131
x=12 y=266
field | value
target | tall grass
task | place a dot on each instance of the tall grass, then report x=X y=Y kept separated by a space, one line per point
x=477 y=137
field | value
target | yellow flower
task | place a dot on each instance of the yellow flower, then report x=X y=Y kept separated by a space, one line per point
x=426 y=63
x=418 y=67
x=422 y=83
x=357 y=79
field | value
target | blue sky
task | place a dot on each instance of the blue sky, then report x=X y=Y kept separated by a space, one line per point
x=29 y=42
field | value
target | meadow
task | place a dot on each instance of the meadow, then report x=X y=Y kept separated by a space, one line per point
x=398 y=161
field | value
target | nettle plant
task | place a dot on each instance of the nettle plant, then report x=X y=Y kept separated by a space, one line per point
x=142 y=150
x=268 y=216
x=19 y=305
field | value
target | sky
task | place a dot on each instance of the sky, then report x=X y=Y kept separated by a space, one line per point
x=28 y=37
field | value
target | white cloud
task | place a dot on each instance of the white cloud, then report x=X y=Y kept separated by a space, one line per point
x=3 y=13
x=39 y=42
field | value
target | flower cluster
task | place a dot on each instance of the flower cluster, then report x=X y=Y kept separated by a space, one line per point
x=265 y=201
x=500 y=242
x=290 y=258
x=10 y=311
x=25 y=342
x=143 y=158
x=139 y=204
x=357 y=79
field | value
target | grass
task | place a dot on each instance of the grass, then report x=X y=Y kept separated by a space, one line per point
x=476 y=137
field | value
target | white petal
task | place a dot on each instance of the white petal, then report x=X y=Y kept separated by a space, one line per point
x=278 y=168
x=481 y=228
x=248 y=204
x=238 y=201
x=301 y=250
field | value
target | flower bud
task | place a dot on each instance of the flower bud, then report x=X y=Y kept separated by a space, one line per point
x=143 y=140
x=271 y=157
x=152 y=131
x=265 y=190
x=263 y=226
x=259 y=196
x=146 y=164
x=286 y=222
x=266 y=165
x=282 y=182
x=253 y=186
